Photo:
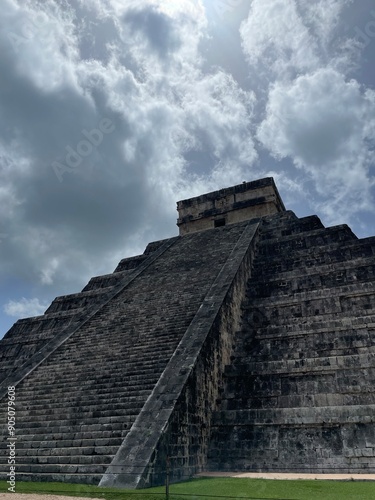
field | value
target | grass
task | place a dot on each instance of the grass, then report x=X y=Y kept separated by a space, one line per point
x=224 y=488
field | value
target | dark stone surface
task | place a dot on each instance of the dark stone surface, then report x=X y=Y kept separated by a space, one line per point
x=175 y=420
x=80 y=394
x=299 y=391
x=245 y=347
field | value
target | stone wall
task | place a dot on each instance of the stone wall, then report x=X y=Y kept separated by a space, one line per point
x=299 y=394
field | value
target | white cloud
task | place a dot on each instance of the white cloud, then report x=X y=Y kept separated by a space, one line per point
x=182 y=124
x=275 y=36
x=286 y=38
x=326 y=124
x=37 y=35
x=24 y=308
x=148 y=79
x=317 y=118
x=314 y=113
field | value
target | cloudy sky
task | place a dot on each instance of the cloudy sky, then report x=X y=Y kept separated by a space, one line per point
x=111 y=111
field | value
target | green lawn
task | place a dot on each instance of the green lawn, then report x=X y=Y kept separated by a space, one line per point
x=225 y=488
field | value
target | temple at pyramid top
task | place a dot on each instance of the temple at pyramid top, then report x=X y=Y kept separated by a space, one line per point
x=246 y=201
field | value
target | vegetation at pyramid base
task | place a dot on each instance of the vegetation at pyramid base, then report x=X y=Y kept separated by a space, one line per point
x=209 y=488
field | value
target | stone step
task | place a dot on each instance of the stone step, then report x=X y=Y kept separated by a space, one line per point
x=277 y=229
x=82 y=411
x=150 y=359
x=38 y=324
x=267 y=263
x=315 y=238
x=27 y=337
x=108 y=394
x=95 y=424
x=92 y=478
x=146 y=334
x=258 y=385
x=302 y=352
x=272 y=400
x=23 y=445
x=34 y=338
x=248 y=349
x=72 y=398
x=107 y=386
x=293 y=437
x=115 y=352
x=41 y=389
x=278 y=222
x=144 y=343
x=35 y=430
x=76 y=301
x=114 y=366
x=305 y=365
x=153 y=246
x=130 y=263
x=247 y=446
x=113 y=401
x=148 y=352
x=332 y=414
x=77 y=424
x=67 y=459
x=95 y=377
x=75 y=478
x=278 y=286
x=52 y=448
x=83 y=414
x=249 y=384
x=308 y=463
x=74 y=424
x=269 y=461
x=72 y=434
x=303 y=316
x=294 y=328
x=57 y=472
x=354 y=270
x=59 y=463
x=340 y=294
x=127 y=382
x=107 y=281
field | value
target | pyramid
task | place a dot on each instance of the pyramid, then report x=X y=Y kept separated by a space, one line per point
x=246 y=343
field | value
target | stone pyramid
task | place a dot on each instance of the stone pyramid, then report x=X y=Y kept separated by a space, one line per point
x=246 y=343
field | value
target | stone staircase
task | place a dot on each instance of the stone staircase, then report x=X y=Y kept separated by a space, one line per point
x=27 y=336
x=74 y=410
x=299 y=394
